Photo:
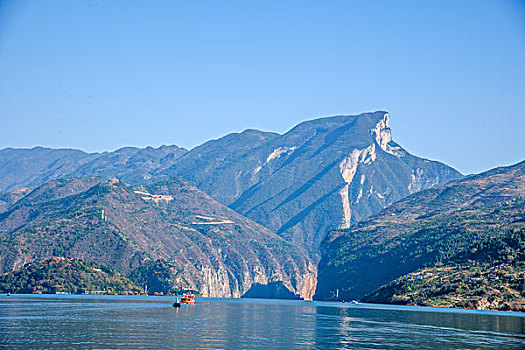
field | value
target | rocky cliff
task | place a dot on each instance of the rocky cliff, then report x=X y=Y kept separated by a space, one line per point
x=323 y=174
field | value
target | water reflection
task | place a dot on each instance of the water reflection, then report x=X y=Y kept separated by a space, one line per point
x=83 y=322
x=369 y=326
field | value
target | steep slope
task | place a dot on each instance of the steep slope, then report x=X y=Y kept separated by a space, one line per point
x=33 y=167
x=217 y=166
x=217 y=251
x=233 y=243
x=490 y=275
x=425 y=228
x=323 y=174
x=9 y=198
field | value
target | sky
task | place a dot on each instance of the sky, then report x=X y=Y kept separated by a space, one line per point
x=101 y=75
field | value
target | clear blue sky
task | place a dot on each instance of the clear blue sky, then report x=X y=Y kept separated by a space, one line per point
x=99 y=75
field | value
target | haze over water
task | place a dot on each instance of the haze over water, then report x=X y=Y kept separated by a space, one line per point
x=109 y=322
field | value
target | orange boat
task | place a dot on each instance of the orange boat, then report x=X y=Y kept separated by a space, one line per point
x=187 y=299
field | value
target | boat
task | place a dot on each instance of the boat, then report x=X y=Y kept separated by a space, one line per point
x=187 y=299
x=176 y=303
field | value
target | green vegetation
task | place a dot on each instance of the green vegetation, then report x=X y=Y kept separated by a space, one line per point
x=161 y=277
x=488 y=275
x=66 y=276
x=124 y=228
x=473 y=224
x=508 y=247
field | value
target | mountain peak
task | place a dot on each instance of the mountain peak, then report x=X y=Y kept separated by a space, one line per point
x=383 y=136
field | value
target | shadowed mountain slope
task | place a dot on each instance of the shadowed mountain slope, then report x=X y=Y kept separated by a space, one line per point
x=426 y=228
x=323 y=174
x=35 y=166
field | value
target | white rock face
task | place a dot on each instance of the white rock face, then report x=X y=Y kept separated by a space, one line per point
x=348 y=168
x=279 y=152
x=238 y=186
x=347 y=212
x=383 y=136
x=359 y=195
x=274 y=155
x=418 y=183
x=216 y=283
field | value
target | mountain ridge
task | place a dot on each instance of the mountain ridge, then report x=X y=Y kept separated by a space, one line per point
x=323 y=174
x=424 y=228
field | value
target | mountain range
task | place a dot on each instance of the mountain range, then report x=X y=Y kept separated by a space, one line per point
x=323 y=174
x=333 y=207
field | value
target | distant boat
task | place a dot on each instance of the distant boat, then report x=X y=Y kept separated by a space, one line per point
x=177 y=303
x=187 y=299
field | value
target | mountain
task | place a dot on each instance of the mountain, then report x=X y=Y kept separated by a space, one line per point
x=211 y=248
x=323 y=174
x=489 y=275
x=33 y=167
x=216 y=167
x=424 y=229
x=131 y=165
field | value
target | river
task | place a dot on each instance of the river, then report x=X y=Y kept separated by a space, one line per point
x=139 y=322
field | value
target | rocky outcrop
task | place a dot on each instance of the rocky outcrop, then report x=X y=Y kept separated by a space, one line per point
x=383 y=137
x=348 y=168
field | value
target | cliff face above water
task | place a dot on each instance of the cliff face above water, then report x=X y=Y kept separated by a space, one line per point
x=432 y=227
x=216 y=251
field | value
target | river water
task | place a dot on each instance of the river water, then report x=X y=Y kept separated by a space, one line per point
x=114 y=322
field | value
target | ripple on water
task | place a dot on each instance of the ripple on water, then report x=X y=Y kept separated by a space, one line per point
x=87 y=322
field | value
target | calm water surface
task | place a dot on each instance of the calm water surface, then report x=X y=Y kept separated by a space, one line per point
x=109 y=322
